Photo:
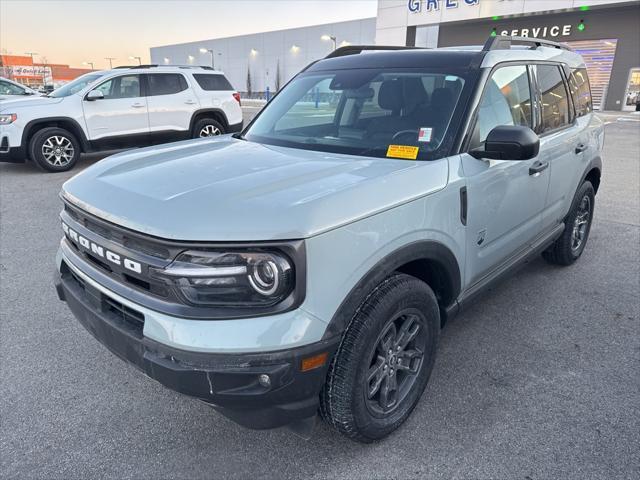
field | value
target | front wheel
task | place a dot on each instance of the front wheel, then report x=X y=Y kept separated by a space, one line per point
x=568 y=248
x=54 y=149
x=384 y=360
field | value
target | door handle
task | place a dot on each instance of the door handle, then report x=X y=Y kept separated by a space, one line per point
x=581 y=148
x=538 y=167
x=190 y=102
x=137 y=105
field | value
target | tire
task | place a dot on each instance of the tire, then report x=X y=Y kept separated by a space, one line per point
x=207 y=124
x=54 y=149
x=345 y=400
x=570 y=245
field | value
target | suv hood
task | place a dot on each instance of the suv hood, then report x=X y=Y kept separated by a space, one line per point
x=226 y=189
x=14 y=101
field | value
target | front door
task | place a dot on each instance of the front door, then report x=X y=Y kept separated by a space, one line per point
x=505 y=199
x=122 y=111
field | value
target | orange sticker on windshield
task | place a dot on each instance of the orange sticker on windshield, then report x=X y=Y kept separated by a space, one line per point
x=403 y=151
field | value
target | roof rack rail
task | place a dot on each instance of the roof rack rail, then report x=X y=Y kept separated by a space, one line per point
x=356 y=49
x=504 y=42
x=135 y=66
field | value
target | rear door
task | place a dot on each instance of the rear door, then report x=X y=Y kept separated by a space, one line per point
x=122 y=111
x=562 y=141
x=505 y=200
x=171 y=102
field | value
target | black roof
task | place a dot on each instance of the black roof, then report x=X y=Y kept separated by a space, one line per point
x=406 y=58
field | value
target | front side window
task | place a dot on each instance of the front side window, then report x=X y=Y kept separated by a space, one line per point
x=166 y=83
x=127 y=86
x=76 y=86
x=212 y=81
x=555 y=104
x=366 y=112
x=506 y=101
x=580 y=91
x=7 y=88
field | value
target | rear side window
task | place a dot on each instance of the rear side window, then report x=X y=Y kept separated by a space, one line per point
x=212 y=82
x=506 y=101
x=580 y=91
x=166 y=83
x=555 y=104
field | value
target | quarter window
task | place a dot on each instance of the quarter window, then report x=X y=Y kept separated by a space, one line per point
x=506 y=101
x=580 y=91
x=127 y=86
x=166 y=83
x=555 y=104
x=211 y=81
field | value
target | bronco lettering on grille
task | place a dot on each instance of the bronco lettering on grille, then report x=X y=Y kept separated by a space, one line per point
x=100 y=251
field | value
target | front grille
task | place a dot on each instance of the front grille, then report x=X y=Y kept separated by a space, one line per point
x=117 y=235
x=117 y=312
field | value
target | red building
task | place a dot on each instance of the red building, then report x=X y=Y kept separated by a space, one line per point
x=22 y=69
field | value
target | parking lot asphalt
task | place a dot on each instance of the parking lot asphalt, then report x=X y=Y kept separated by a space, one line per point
x=539 y=379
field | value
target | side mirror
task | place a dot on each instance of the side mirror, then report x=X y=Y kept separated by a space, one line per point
x=94 y=95
x=509 y=142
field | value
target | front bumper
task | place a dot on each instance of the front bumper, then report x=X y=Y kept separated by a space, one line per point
x=227 y=381
x=12 y=154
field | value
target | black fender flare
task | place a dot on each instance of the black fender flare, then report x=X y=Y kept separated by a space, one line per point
x=216 y=111
x=76 y=129
x=428 y=250
x=594 y=164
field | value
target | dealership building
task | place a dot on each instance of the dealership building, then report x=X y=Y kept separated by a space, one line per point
x=22 y=69
x=605 y=32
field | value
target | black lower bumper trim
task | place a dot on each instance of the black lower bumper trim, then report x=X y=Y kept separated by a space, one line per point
x=13 y=155
x=229 y=382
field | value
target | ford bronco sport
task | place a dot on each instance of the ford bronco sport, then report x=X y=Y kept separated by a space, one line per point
x=307 y=263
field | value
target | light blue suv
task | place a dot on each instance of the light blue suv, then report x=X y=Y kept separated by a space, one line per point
x=308 y=263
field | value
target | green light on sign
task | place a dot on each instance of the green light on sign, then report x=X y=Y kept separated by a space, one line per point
x=581 y=26
x=494 y=33
x=584 y=8
x=495 y=17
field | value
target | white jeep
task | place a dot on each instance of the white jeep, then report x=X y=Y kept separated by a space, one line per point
x=119 y=108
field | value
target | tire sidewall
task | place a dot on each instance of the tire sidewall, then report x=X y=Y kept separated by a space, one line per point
x=585 y=189
x=200 y=124
x=38 y=139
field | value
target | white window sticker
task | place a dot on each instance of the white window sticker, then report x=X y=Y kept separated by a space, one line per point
x=425 y=134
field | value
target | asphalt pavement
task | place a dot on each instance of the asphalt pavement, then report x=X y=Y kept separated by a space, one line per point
x=539 y=379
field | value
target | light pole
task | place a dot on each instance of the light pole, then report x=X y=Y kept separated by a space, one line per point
x=90 y=64
x=110 y=61
x=205 y=50
x=326 y=38
x=136 y=58
x=32 y=64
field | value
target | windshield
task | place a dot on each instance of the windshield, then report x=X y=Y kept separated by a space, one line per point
x=368 y=112
x=76 y=86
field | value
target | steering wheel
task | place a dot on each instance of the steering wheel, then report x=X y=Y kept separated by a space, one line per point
x=405 y=132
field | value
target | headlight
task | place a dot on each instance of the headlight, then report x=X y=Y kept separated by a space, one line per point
x=7 y=118
x=229 y=278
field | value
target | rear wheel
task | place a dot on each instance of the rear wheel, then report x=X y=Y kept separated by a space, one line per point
x=568 y=248
x=54 y=149
x=207 y=127
x=384 y=360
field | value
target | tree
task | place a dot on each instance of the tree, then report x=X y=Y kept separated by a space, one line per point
x=249 y=90
x=278 y=75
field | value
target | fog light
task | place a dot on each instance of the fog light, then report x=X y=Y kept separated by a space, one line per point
x=264 y=380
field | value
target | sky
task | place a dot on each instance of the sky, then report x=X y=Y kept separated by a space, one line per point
x=76 y=31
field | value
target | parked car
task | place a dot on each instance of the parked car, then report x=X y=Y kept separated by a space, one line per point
x=308 y=263
x=10 y=90
x=119 y=108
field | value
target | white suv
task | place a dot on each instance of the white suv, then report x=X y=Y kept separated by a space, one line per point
x=119 y=108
